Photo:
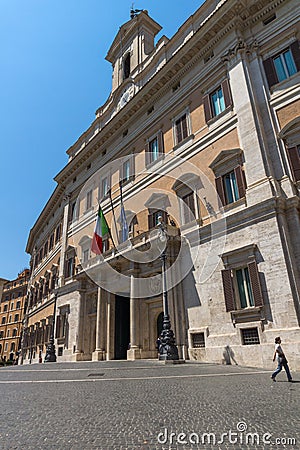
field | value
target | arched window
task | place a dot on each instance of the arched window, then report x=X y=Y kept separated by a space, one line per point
x=12 y=347
x=15 y=332
x=16 y=317
x=126 y=66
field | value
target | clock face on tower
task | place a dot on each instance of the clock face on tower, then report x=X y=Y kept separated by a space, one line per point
x=126 y=95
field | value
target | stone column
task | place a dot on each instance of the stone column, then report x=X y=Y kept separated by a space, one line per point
x=257 y=165
x=286 y=222
x=110 y=320
x=134 y=351
x=80 y=328
x=98 y=354
x=64 y=238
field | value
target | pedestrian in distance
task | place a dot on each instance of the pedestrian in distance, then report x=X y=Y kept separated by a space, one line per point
x=281 y=360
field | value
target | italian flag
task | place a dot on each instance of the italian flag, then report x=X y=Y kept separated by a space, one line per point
x=101 y=229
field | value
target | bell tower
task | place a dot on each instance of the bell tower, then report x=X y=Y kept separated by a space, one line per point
x=131 y=46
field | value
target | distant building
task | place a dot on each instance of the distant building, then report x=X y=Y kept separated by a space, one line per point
x=213 y=110
x=13 y=303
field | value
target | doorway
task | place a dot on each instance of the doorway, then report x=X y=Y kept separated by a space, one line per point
x=122 y=326
x=159 y=323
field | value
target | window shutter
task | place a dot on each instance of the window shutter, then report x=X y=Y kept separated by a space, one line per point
x=207 y=108
x=270 y=72
x=160 y=142
x=226 y=93
x=296 y=53
x=255 y=283
x=131 y=167
x=220 y=190
x=184 y=127
x=150 y=221
x=239 y=175
x=293 y=154
x=228 y=290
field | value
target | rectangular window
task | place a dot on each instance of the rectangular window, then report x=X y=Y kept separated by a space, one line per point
x=105 y=245
x=57 y=233
x=230 y=186
x=104 y=187
x=198 y=340
x=70 y=267
x=86 y=255
x=284 y=65
x=181 y=129
x=89 y=200
x=126 y=171
x=153 y=218
x=154 y=150
x=51 y=241
x=294 y=159
x=73 y=211
x=250 y=336
x=189 y=207
x=244 y=288
x=217 y=101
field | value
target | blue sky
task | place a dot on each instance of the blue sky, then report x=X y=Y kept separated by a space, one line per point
x=53 y=77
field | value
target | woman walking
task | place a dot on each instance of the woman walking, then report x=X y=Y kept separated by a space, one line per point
x=281 y=360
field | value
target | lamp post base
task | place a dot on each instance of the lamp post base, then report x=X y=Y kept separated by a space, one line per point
x=167 y=349
x=169 y=353
x=50 y=352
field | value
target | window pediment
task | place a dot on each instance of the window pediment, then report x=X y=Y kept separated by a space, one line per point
x=226 y=160
x=290 y=133
x=158 y=201
x=187 y=182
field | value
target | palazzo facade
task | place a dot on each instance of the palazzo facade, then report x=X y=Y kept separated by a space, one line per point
x=198 y=145
x=13 y=296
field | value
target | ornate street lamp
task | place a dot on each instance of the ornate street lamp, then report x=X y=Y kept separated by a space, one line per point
x=50 y=351
x=167 y=348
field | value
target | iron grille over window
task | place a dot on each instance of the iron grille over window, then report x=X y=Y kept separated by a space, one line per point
x=250 y=336
x=198 y=340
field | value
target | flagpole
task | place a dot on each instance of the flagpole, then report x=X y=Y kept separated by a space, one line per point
x=123 y=212
x=114 y=216
x=109 y=232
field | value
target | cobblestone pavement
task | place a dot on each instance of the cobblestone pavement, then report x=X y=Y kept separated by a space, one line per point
x=138 y=405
